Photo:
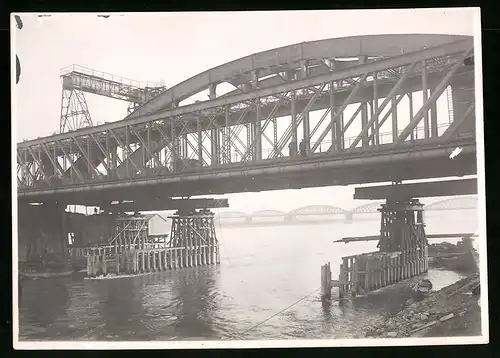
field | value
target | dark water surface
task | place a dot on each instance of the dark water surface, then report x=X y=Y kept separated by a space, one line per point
x=263 y=270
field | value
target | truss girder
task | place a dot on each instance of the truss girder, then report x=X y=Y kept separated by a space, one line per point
x=213 y=130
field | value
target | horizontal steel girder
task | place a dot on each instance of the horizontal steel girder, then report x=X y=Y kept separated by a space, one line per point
x=169 y=204
x=381 y=65
x=418 y=190
x=409 y=162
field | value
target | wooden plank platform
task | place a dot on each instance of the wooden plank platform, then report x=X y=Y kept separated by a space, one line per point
x=428 y=236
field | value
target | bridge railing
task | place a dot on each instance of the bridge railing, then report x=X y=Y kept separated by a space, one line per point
x=68 y=70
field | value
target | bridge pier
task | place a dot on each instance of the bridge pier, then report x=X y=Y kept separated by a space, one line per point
x=402 y=251
x=194 y=233
x=43 y=237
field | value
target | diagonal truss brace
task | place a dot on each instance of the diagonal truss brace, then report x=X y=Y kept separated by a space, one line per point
x=127 y=159
x=439 y=89
x=106 y=156
x=145 y=146
x=71 y=162
x=457 y=124
x=336 y=117
x=394 y=90
x=85 y=154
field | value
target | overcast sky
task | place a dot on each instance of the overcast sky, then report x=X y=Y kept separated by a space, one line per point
x=173 y=47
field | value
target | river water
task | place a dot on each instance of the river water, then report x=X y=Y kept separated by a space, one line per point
x=263 y=270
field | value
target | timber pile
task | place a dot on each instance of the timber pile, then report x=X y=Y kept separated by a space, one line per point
x=453 y=303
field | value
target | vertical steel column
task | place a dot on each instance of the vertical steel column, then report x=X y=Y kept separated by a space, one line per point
x=258 y=134
x=108 y=157
x=200 y=138
x=425 y=96
x=214 y=133
x=293 y=110
x=212 y=91
x=334 y=132
x=148 y=139
x=125 y=152
x=305 y=119
x=42 y=169
x=249 y=130
x=228 y=135
x=376 y=138
x=71 y=169
x=215 y=145
x=89 y=164
x=394 y=119
x=434 y=124
x=410 y=104
x=173 y=135
x=364 y=122
x=55 y=160
x=275 y=134
x=340 y=133
x=256 y=126
x=185 y=153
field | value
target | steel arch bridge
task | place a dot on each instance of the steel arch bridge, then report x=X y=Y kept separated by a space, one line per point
x=367 y=208
x=215 y=146
x=231 y=215
x=267 y=213
x=316 y=210
x=458 y=203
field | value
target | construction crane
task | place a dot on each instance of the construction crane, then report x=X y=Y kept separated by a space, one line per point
x=77 y=80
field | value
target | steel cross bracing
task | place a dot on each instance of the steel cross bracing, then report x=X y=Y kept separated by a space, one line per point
x=235 y=129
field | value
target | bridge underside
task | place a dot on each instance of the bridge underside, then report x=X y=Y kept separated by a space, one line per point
x=418 y=190
x=410 y=164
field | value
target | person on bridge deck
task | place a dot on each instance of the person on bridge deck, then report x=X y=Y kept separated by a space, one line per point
x=302 y=148
x=292 y=147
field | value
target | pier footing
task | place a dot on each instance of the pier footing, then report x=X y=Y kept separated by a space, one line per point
x=402 y=251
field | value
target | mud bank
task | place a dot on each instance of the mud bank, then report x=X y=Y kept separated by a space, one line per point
x=452 y=311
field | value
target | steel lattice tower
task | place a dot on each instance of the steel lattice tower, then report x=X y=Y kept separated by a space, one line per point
x=77 y=80
x=74 y=110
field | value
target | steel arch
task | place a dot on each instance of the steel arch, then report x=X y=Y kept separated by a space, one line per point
x=278 y=60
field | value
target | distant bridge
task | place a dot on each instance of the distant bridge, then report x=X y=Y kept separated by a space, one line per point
x=328 y=212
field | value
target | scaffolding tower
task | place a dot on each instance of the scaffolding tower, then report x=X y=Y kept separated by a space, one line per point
x=77 y=80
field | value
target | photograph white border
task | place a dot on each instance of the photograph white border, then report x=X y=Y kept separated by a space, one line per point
x=294 y=343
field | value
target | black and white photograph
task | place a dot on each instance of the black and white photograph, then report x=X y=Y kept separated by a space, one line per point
x=248 y=179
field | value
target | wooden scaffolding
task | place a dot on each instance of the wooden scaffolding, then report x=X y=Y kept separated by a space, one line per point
x=402 y=251
x=194 y=232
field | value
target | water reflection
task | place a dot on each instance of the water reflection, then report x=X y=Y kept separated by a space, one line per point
x=119 y=306
x=44 y=302
x=268 y=270
x=196 y=290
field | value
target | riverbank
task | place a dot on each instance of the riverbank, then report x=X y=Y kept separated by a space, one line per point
x=452 y=311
